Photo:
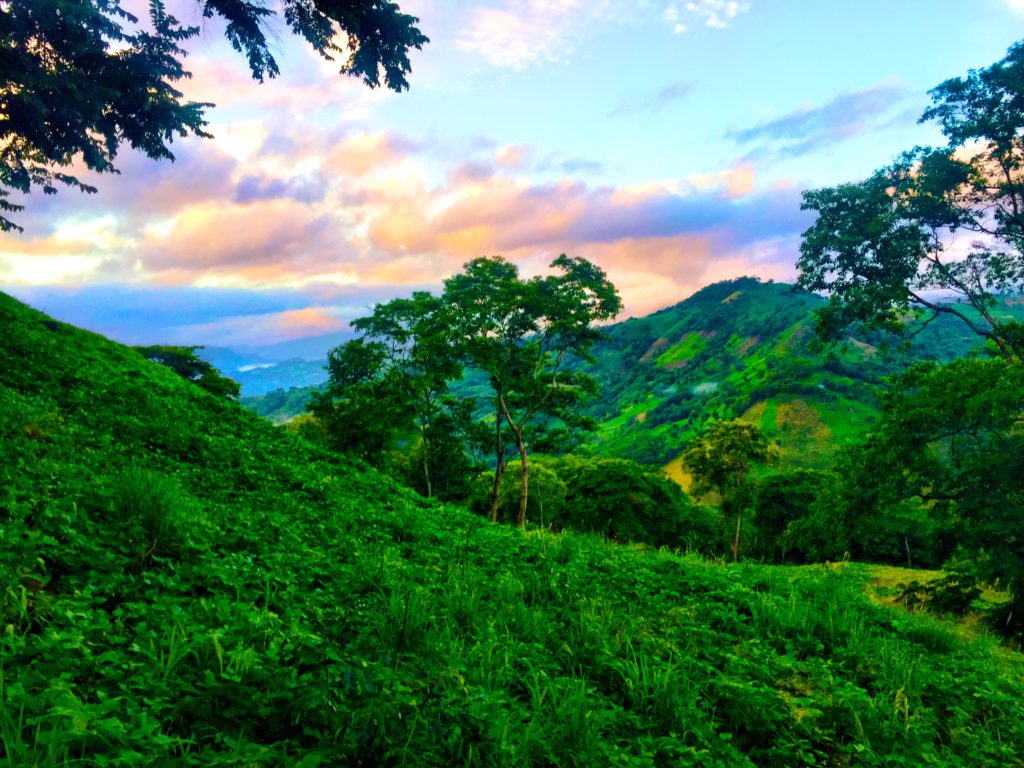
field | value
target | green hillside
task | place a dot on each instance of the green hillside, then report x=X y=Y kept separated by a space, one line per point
x=183 y=584
x=746 y=349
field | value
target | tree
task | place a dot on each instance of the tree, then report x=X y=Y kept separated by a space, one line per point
x=719 y=461
x=781 y=500
x=186 y=363
x=628 y=501
x=952 y=437
x=522 y=333
x=882 y=248
x=416 y=338
x=78 y=78
x=362 y=407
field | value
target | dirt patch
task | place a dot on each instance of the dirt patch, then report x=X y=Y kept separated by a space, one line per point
x=674 y=469
x=867 y=349
x=748 y=344
x=732 y=297
x=755 y=413
x=676 y=365
x=641 y=417
x=798 y=418
x=655 y=349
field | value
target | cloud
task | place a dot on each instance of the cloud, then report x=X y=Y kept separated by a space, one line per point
x=809 y=128
x=521 y=32
x=139 y=314
x=503 y=214
x=265 y=329
x=656 y=102
x=1015 y=6
x=512 y=156
x=302 y=189
x=360 y=154
x=338 y=219
x=219 y=238
x=717 y=14
x=517 y=34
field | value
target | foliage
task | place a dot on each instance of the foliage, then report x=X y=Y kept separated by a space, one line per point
x=363 y=410
x=781 y=499
x=952 y=438
x=884 y=246
x=720 y=460
x=79 y=78
x=521 y=334
x=280 y=405
x=951 y=594
x=313 y=612
x=546 y=504
x=626 y=501
x=760 y=353
x=186 y=363
x=416 y=337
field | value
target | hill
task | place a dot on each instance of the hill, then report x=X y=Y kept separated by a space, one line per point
x=746 y=349
x=183 y=584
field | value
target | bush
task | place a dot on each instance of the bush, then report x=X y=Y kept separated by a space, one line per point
x=157 y=518
x=628 y=501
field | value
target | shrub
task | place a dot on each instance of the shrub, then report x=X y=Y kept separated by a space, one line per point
x=157 y=518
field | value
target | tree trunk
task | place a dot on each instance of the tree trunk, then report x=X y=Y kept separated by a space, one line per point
x=426 y=468
x=499 y=470
x=524 y=479
x=736 y=541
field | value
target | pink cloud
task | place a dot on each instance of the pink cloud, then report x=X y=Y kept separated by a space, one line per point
x=269 y=328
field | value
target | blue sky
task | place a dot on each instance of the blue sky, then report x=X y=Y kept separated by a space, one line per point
x=668 y=142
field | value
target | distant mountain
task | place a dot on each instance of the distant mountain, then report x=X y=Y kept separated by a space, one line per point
x=747 y=349
x=261 y=373
x=284 y=375
x=279 y=405
x=231 y=361
x=309 y=348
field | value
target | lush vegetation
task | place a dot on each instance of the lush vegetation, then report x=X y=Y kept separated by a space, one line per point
x=950 y=440
x=185 y=584
x=190 y=366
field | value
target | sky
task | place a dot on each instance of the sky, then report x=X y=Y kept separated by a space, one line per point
x=667 y=142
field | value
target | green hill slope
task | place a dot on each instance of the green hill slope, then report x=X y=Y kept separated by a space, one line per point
x=183 y=584
x=745 y=349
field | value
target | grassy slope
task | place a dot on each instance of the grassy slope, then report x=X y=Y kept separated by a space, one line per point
x=181 y=583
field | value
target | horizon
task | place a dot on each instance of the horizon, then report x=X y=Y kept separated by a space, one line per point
x=675 y=163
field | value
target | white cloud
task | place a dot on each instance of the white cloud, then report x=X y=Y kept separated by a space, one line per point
x=517 y=34
x=1015 y=6
x=521 y=32
x=717 y=14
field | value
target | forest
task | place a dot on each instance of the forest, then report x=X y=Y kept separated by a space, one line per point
x=771 y=525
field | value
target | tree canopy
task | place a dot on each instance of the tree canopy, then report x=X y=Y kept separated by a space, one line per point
x=894 y=244
x=521 y=334
x=720 y=460
x=190 y=366
x=79 y=78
